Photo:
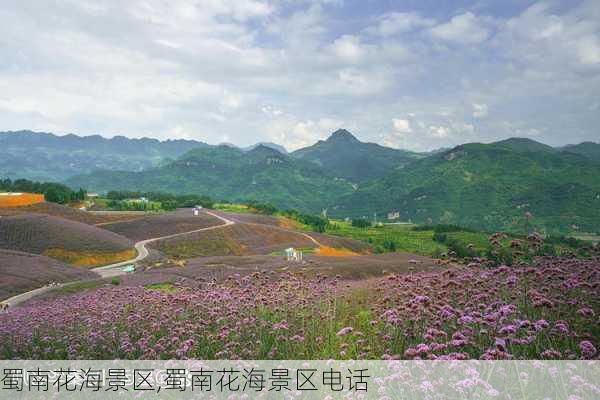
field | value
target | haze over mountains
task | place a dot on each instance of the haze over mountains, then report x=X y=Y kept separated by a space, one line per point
x=44 y=156
x=488 y=186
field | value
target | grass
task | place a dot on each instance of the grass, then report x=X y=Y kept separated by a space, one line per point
x=72 y=288
x=232 y=207
x=403 y=237
x=165 y=287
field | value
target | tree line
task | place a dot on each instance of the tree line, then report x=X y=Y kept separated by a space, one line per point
x=52 y=191
x=316 y=223
x=168 y=201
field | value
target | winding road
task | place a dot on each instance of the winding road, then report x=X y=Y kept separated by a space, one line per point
x=115 y=269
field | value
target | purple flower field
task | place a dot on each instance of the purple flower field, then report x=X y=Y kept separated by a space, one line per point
x=548 y=310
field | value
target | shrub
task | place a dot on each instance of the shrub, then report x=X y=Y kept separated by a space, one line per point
x=361 y=223
x=440 y=237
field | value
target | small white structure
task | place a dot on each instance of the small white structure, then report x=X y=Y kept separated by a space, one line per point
x=196 y=211
x=393 y=215
x=292 y=254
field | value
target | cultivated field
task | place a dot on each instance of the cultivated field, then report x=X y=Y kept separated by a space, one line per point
x=246 y=238
x=69 y=241
x=238 y=240
x=72 y=214
x=153 y=226
x=546 y=311
x=22 y=272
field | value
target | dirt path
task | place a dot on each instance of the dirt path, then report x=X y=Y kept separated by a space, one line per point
x=115 y=269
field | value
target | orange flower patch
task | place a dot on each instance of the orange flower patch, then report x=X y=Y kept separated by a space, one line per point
x=333 y=252
x=89 y=258
x=20 y=199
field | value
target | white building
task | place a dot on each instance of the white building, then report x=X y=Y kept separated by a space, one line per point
x=292 y=254
x=393 y=215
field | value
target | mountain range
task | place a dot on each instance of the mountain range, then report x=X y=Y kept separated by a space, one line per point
x=223 y=172
x=44 y=156
x=487 y=186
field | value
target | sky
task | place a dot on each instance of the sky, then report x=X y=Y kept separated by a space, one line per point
x=410 y=74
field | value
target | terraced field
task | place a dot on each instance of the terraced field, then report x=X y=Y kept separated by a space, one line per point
x=72 y=214
x=153 y=226
x=69 y=241
x=22 y=272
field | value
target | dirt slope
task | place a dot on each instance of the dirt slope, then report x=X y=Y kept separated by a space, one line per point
x=22 y=272
x=72 y=214
x=64 y=239
x=152 y=226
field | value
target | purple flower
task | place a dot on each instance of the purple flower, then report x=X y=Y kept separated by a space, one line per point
x=587 y=349
x=345 y=331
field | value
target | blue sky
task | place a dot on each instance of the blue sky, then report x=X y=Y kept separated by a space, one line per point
x=408 y=74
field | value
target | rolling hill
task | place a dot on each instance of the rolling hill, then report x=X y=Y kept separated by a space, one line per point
x=223 y=172
x=68 y=241
x=342 y=155
x=47 y=157
x=24 y=271
x=490 y=187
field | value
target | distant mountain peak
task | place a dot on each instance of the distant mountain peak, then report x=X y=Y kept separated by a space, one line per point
x=262 y=148
x=270 y=145
x=524 y=144
x=342 y=135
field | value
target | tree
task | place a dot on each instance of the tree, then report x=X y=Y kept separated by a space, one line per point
x=361 y=223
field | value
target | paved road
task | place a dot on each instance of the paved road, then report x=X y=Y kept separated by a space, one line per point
x=142 y=252
x=111 y=270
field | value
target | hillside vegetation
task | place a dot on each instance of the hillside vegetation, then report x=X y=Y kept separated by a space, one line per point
x=489 y=187
x=227 y=173
x=342 y=155
x=515 y=185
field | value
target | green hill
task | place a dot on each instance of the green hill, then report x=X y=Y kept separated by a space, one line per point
x=589 y=150
x=342 y=155
x=490 y=187
x=223 y=172
x=524 y=145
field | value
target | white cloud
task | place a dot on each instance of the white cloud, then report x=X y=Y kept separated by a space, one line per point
x=588 y=50
x=293 y=71
x=466 y=28
x=401 y=125
x=348 y=48
x=393 y=23
x=480 y=110
x=440 y=132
